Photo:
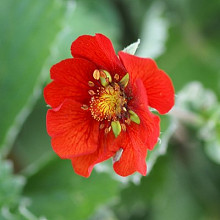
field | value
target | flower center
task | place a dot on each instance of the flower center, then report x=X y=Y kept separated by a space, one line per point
x=108 y=103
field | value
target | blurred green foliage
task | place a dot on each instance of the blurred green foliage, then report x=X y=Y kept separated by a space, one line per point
x=25 y=46
x=11 y=185
x=183 y=36
x=73 y=197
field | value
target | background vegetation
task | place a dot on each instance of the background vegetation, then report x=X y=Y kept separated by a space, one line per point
x=183 y=181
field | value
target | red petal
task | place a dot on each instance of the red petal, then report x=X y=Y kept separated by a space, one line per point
x=74 y=132
x=149 y=128
x=83 y=165
x=139 y=137
x=71 y=78
x=159 y=87
x=99 y=50
x=131 y=161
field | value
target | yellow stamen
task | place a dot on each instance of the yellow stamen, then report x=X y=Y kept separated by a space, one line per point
x=101 y=126
x=96 y=74
x=128 y=121
x=123 y=127
x=116 y=77
x=107 y=130
x=91 y=84
x=102 y=74
x=91 y=92
x=84 y=107
x=117 y=87
x=108 y=105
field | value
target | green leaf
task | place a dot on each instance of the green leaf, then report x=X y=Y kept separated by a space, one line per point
x=58 y=193
x=132 y=48
x=32 y=149
x=154 y=32
x=212 y=149
x=177 y=188
x=26 y=38
x=168 y=127
x=198 y=107
x=190 y=56
x=91 y=17
x=10 y=186
x=197 y=99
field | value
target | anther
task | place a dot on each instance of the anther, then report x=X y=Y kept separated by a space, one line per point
x=84 y=107
x=116 y=87
x=101 y=126
x=124 y=109
x=116 y=77
x=96 y=74
x=91 y=92
x=128 y=121
x=102 y=74
x=123 y=127
x=105 y=78
x=91 y=84
x=107 y=130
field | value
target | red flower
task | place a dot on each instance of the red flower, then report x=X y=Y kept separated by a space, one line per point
x=100 y=106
